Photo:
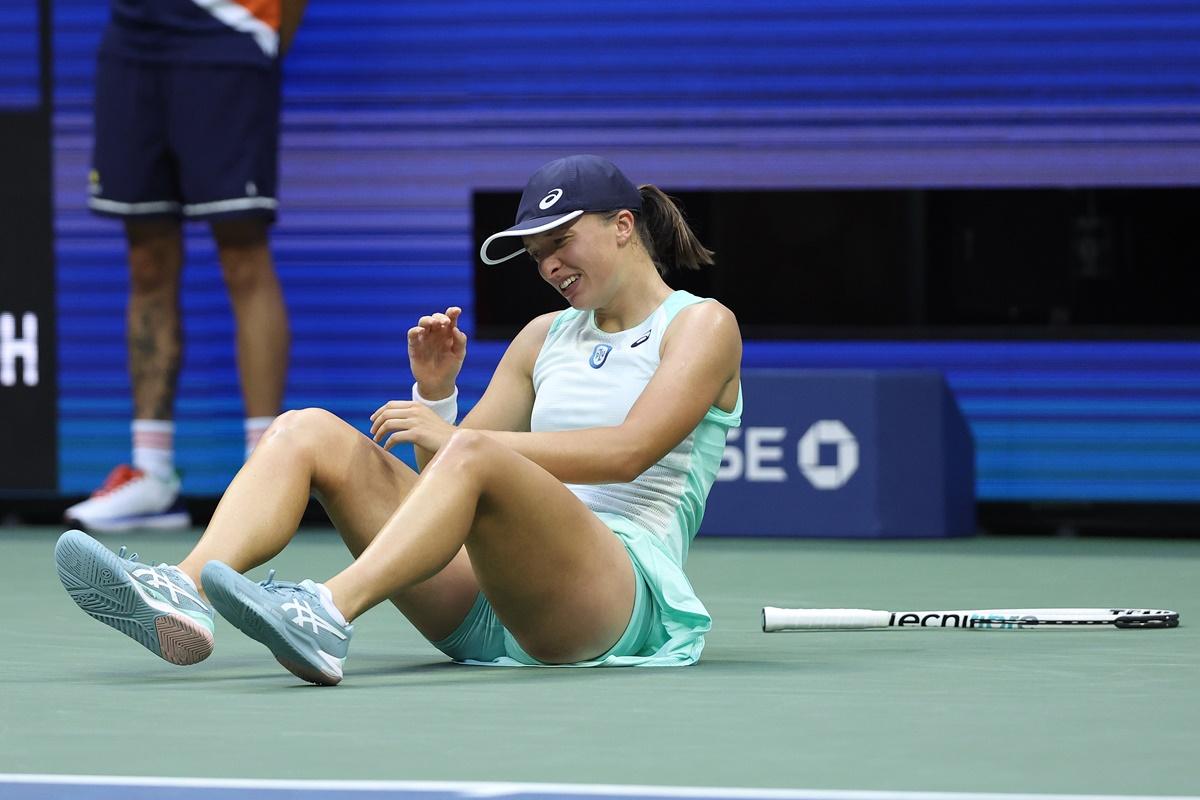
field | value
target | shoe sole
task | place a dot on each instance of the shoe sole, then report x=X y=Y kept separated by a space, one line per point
x=97 y=581
x=158 y=522
x=244 y=613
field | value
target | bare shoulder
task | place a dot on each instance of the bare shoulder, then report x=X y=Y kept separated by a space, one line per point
x=540 y=324
x=536 y=329
x=711 y=320
x=528 y=342
x=709 y=312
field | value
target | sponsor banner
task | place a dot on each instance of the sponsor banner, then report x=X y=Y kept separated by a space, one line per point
x=28 y=394
x=832 y=453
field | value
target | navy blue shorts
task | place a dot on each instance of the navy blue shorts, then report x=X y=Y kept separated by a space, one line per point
x=185 y=140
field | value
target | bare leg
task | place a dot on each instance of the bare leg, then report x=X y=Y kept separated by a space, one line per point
x=153 y=329
x=262 y=324
x=558 y=579
x=360 y=486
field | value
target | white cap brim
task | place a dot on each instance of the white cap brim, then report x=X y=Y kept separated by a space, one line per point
x=529 y=227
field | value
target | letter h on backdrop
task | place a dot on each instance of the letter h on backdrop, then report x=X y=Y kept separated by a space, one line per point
x=13 y=347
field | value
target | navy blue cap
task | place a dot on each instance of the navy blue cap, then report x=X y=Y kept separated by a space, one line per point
x=563 y=190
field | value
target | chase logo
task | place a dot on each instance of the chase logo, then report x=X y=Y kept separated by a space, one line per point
x=553 y=197
x=832 y=433
x=599 y=356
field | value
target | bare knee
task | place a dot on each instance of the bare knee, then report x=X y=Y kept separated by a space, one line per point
x=245 y=272
x=310 y=436
x=155 y=258
x=245 y=255
x=466 y=451
x=306 y=430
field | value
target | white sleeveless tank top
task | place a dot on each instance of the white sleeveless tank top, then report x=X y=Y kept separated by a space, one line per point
x=587 y=378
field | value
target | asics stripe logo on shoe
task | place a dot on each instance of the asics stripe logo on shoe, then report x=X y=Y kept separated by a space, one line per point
x=128 y=596
x=156 y=581
x=305 y=616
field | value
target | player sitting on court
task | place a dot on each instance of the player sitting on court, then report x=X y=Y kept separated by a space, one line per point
x=550 y=527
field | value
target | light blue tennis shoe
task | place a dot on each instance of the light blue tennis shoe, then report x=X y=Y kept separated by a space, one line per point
x=289 y=618
x=158 y=607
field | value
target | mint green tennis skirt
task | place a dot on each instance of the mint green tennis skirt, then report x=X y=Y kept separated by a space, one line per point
x=666 y=628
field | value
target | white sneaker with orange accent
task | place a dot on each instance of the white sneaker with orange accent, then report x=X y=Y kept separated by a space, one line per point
x=130 y=498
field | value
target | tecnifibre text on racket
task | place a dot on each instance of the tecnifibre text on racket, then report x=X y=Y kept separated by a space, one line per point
x=819 y=619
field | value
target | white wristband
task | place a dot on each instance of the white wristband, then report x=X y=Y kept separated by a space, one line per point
x=446 y=408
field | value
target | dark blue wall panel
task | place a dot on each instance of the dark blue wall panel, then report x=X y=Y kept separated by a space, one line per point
x=396 y=112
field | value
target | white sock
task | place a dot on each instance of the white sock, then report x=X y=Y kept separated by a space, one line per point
x=327 y=602
x=255 y=428
x=154 y=447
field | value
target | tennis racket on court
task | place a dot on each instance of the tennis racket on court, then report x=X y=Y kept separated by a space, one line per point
x=830 y=619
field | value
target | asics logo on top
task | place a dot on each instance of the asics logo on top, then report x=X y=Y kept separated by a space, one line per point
x=305 y=616
x=156 y=581
x=553 y=197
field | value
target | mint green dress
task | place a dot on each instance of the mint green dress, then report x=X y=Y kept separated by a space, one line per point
x=587 y=378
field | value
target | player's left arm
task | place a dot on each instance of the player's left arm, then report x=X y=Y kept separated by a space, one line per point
x=700 y=356
x=290 y=14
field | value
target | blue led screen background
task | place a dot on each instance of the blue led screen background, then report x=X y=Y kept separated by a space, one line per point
x=395 y=113
x=20 y=70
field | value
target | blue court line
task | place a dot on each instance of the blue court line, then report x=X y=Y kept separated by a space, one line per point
x=105 y=787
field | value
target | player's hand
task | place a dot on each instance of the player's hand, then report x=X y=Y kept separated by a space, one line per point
x=408 y=422
x=436 y=350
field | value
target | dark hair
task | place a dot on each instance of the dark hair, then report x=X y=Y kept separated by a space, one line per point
x=665 y=234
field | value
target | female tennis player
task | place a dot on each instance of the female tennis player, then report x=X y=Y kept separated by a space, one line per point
x=549 y=528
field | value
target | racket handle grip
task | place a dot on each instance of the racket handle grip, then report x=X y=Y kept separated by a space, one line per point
x=793 y=619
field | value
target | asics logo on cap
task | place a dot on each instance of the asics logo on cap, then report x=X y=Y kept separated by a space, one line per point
x=553 y=197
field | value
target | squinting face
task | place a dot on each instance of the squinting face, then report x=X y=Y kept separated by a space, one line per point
x=576 y=258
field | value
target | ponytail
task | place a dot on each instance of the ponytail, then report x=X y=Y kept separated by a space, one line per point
x=665 y=233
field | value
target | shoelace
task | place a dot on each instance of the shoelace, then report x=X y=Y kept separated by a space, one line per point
x=279 y=587
x=289 y=590
x=163 y=567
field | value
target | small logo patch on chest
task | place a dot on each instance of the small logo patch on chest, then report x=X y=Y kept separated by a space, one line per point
x=599 y=355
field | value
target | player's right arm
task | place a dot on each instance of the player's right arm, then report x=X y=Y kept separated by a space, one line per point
x=436 y=351
x=507 y=404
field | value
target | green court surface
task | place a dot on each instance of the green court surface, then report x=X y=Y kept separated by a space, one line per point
x=1097 y=711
